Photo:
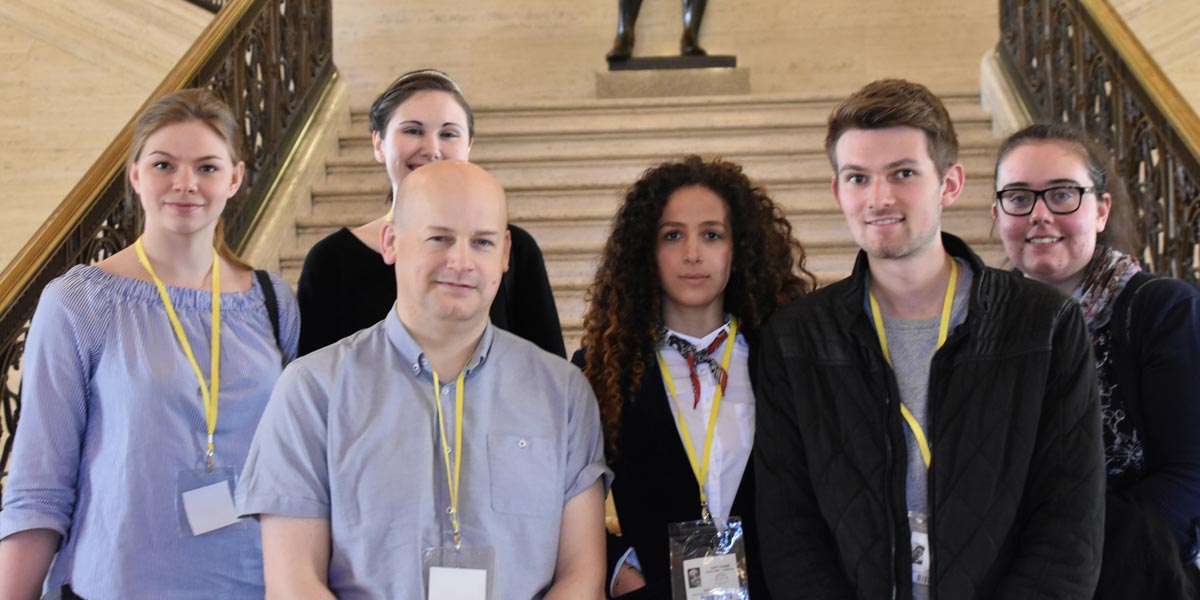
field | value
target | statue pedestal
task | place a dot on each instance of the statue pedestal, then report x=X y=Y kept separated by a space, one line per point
x=658 y=63
x=660 y=76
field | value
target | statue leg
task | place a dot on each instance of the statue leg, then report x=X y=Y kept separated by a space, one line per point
x=627 y=14
x=693 y=15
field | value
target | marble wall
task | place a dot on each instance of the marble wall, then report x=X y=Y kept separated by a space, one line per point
x=73 y=74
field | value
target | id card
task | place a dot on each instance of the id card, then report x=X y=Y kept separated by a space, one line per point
x=458 y=574
x=204 y=501
x=708 y=560
x=922 y=558
x=710 y=574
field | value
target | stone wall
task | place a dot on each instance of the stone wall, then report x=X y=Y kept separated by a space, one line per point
x=506 y=50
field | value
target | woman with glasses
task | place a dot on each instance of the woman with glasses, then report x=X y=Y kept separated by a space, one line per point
x=1062 y=217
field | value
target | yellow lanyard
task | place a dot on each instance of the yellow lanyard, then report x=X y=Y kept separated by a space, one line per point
x=452 y=477
x=943 y=331
x=208 y=391
x=701 y=470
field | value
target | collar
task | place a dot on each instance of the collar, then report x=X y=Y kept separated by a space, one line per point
x=412 y=355
x=699 y=342
x=954 y=246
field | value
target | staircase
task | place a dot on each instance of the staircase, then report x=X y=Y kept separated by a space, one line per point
x=565 y=165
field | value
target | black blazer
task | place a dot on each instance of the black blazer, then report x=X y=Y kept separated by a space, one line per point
x=653 y=485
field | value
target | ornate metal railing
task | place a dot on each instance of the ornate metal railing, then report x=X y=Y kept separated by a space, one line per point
x=270 y=60
x=1077 y=61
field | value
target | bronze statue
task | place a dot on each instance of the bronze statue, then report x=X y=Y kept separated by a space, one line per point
x=689 y=45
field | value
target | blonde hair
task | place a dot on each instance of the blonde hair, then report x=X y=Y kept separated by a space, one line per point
x=188 y=106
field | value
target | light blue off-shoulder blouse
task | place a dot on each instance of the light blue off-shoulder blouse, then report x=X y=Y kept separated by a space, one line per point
x=111 y=415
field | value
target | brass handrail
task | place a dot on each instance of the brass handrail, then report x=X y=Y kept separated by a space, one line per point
x=87 y=192
x=1149 y=74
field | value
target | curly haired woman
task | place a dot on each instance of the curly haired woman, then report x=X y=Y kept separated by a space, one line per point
x=698 y=259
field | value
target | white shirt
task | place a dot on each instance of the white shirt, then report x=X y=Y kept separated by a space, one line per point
x=734 y=435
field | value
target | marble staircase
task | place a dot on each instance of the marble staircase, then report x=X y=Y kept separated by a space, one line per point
x=565 y=165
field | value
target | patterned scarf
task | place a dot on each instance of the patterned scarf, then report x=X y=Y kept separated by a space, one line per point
x=1106 y=275
x=697 y=356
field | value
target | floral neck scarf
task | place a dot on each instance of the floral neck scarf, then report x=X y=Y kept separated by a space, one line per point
x=1106 y=275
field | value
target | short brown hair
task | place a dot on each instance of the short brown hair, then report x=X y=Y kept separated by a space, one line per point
x=894 y=103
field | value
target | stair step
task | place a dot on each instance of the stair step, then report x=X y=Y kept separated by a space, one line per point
x=666 y=141
x=539 y=119
x=571 y=267
x=593 y=226
x=613 y=171
x=570 y=260
x=798 y=194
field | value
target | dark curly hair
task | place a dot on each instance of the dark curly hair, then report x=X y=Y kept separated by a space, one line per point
x=625 y=299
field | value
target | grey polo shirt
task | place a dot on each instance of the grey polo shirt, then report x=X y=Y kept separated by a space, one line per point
x=350 y=435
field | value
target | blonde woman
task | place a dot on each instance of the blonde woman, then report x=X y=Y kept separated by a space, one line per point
x=144 y=379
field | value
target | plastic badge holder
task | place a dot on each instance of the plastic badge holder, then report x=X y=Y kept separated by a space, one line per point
x=922 y=557
x=204 y=501
x=465 y=573
x=708 y=560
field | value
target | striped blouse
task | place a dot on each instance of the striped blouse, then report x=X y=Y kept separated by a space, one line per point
x=112 y=415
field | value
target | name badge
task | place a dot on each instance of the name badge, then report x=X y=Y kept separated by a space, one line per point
x=710 y=574
x=459 y=573
x=708 y=560
x=922 y=557
x=449 y=583
x=206 y=501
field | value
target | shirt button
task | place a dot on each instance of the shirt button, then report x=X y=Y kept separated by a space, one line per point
x=522 y=444
x=416 y=368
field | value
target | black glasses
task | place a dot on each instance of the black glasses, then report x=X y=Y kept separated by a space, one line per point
x=1061 y=200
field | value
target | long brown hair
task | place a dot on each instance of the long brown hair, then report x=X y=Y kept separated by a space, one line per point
x=187 y=106
x=625 y=299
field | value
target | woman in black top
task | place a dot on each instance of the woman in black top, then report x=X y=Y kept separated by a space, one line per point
x=1057 y=212
x=345 y=285
x=697 y=260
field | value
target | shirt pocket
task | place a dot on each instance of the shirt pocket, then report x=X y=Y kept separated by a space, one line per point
x=524 y=475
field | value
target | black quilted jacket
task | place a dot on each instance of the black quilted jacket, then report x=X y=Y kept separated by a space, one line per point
x=1016 y=487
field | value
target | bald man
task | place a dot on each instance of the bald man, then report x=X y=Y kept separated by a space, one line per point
x=432 y=455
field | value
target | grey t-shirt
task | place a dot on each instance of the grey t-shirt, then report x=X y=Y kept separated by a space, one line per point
x=912 y=344
x=350 y=435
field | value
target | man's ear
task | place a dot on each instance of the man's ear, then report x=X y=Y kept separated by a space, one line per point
x=507 y=248
x=387 y=242
x=952 y=184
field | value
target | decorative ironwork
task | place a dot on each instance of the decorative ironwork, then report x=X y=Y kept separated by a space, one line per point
x=1070 y=66
x=270 y=61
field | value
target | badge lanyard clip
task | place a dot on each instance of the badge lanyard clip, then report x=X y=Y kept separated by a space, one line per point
x=700 y=470
x=209 y=391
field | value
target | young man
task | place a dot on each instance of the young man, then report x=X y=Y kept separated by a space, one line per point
x=928 y=427
x=432 y=453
